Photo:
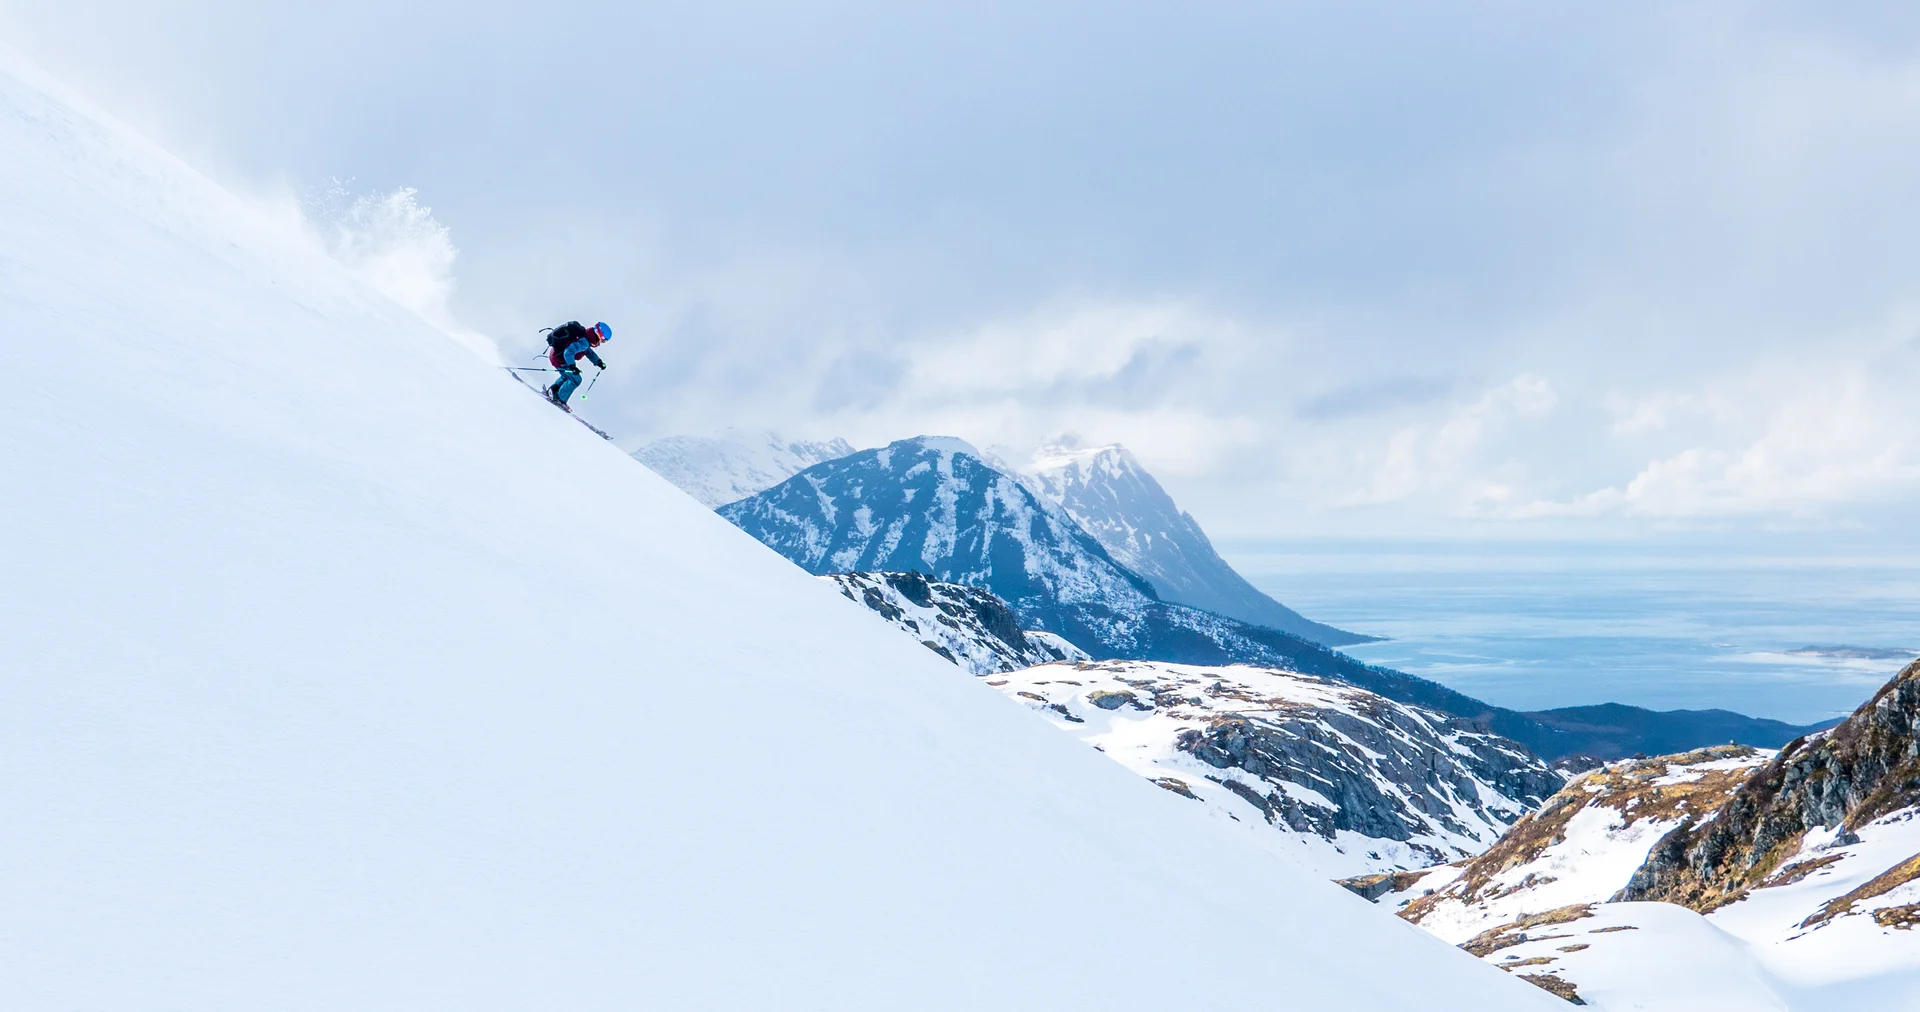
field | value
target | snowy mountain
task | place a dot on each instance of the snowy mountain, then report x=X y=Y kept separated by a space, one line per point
x=935 y=505
x=1121 y=505
x=1725 y=878
x=966 y=625
x=1350 y=782
x=735 y=465
x=303 y=710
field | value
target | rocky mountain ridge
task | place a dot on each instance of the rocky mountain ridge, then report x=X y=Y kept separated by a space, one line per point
x=966 y=625
x=1116 y=500
x=1834 y=782
x=1347 y=781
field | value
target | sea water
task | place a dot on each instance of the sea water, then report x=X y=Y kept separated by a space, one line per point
x=1794 y=637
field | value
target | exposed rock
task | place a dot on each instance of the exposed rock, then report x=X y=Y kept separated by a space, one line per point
x=1372 y=887
x=1767 y=866
x=966 y=625
x=1865 y=768
x=1554 y=985
x=1507 y=935
x=1583 y=844
x=1375 y=785
x=1109 y=700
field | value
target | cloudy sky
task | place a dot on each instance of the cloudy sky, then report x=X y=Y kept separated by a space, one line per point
x=1484 y=269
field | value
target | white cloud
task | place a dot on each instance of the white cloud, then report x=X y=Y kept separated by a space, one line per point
x=1443 y=456
x=1796 y=436
x=1593 y=268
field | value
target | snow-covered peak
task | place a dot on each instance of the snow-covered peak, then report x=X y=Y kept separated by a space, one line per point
x=736 y=464
x=943 y=445
x=1057 y=464
x=1107 y=491
x=933 y=505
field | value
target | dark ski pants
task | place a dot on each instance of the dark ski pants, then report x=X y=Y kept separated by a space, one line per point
x=568 y=382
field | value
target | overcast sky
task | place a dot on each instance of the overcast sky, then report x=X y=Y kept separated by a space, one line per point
x=1491 y=269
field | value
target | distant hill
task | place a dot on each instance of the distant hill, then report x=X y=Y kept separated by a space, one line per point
x=1615 y=729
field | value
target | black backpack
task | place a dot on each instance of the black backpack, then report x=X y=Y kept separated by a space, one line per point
x=565 y=334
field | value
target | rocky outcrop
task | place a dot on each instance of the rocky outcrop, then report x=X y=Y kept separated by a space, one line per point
x=1580 y=847
x=1841 y=780
x=1415 y=781
x=966 y=625
x=1356 y=781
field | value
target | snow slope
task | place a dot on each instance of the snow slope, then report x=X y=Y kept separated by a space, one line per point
x=735 y=465
x=312 y=703
x=1119 y=503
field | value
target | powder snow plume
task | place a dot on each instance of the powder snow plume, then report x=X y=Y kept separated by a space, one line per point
x=393 y=242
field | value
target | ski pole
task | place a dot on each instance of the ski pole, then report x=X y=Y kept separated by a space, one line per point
x=590 y=383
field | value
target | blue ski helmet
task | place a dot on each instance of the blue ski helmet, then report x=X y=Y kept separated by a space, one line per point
x=605 y=332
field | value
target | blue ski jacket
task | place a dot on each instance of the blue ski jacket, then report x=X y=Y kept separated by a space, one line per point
x=578 y=348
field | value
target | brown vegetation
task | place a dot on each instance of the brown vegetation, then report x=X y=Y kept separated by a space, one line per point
x=1494 y=939
x=1881 y=884
x=1553 y=985
x=1798 y=870
x=1177 y=786
x=1903 y=918
x=1627 y=787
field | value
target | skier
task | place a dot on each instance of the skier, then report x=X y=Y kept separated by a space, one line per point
x=566 y=345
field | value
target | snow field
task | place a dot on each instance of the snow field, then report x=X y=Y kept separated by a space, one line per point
x=1647 y=956
x=341 y=672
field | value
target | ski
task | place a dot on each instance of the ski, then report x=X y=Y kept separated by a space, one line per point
x=541 y=391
